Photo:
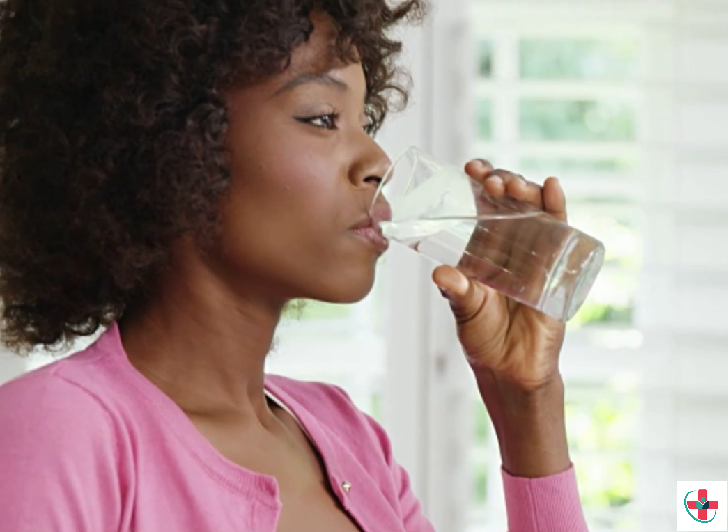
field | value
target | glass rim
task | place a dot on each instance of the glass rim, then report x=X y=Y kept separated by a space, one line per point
x=386 y=178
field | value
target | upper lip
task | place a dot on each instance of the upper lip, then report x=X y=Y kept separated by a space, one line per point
x=365 y=223
x=381 y=212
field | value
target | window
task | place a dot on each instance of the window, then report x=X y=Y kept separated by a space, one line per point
x=484 y=121
x=602 y=420
x=552 y=103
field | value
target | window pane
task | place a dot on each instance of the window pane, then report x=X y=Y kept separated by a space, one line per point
x=484 y=52
x=482 y=423
x=613 y=222
x=579 y=59
x=484 y=118
x=480 y=458
x=612 y=298
x=595 y=311
x=602 y=421
x=480 y=487
x=576 y=120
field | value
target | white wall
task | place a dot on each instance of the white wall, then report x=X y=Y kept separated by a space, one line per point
x=11 y=365
x=685 y=287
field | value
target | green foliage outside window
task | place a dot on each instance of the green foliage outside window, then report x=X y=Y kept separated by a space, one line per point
x=318 y=310
x=576 y=121
x=484 y=119
x=574 y=59
x=601 y=424
x=485 y=59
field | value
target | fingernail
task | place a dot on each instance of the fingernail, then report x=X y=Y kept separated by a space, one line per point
x=445 y=293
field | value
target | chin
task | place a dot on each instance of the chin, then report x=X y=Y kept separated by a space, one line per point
x=347 y=290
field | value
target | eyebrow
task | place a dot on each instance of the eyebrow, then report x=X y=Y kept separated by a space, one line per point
x=315 y=78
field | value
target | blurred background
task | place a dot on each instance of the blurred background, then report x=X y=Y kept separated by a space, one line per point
x=627 y=102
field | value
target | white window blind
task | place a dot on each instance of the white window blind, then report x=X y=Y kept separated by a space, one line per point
x=685 y=282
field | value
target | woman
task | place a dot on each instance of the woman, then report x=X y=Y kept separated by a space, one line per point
x=179 y=171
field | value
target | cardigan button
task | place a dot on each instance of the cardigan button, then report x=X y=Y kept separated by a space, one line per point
x=346 y=486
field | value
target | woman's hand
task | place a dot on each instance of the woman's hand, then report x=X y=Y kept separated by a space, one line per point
x=514 y=349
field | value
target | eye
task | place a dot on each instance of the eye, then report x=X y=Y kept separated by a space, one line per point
x=328 y=121
x=370 y=129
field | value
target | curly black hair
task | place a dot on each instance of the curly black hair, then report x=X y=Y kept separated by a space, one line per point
x=112 y=127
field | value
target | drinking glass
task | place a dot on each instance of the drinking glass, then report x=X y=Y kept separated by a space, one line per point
x=509 y=245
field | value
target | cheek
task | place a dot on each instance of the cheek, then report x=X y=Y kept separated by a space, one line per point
x=287 y=184
x=299 y=185
x=291 y=205
x=282 y=163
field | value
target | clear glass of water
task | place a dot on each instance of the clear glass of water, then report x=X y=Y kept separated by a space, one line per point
x=511 y=246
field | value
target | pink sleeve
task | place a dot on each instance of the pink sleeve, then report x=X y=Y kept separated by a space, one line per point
x=549 y=504
x=57 y=459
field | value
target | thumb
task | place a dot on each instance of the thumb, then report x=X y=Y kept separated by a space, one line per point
x=467 y=298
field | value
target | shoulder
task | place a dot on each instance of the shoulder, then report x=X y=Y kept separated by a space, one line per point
x=59 y=452
x=91 y=376
x=53 y=403
x=68 y=399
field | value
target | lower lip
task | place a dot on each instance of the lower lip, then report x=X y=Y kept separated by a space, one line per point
x=373 y=237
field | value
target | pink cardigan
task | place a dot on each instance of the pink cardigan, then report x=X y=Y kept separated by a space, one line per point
x=87 y=444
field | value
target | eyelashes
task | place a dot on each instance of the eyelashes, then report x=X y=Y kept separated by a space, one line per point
x=330 y=122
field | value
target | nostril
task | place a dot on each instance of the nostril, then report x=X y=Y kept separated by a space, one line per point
x=373 y=179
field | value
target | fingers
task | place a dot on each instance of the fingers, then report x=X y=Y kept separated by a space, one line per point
x=554 y=200
x=498 y=182
x=451 y=281
x=467 y=298
x=502 y=182
x=478 y=169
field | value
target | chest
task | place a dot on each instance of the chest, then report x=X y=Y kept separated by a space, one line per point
x=308 y=500
x=208 y=481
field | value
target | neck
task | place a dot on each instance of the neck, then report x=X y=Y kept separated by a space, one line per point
x=202 y=342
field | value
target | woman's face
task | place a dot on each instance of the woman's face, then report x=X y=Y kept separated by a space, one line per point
x=304 y=172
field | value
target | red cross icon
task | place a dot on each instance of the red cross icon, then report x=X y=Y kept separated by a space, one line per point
x=702 y=505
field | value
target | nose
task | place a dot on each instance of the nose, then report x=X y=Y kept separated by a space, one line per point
x=371 y=166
